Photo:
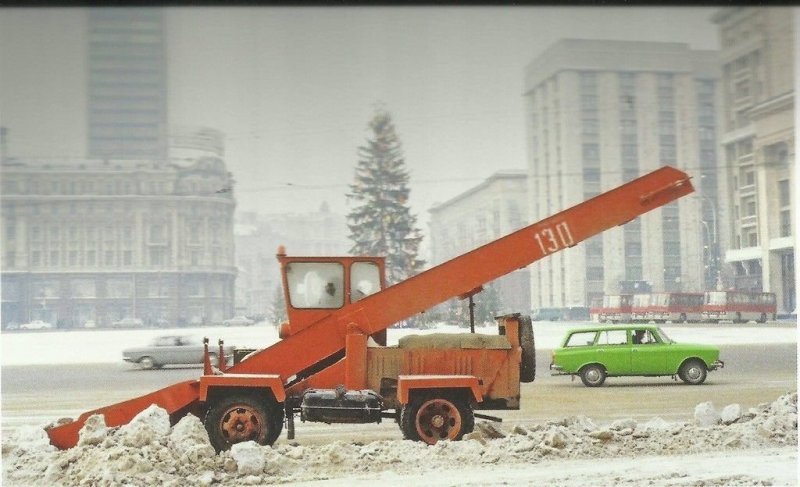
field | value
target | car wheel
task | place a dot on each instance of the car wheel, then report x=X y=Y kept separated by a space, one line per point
x=693 y=372
x=593 y=375
x=147 y=363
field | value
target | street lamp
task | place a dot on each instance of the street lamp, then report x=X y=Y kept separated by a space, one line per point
x=712 y=238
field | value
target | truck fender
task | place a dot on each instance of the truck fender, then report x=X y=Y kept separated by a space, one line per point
x=408 y=383
x=271 y=382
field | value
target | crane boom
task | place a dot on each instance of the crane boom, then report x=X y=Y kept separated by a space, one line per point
x=467 y=272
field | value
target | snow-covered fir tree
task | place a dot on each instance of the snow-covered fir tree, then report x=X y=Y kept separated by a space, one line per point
x=381 y=222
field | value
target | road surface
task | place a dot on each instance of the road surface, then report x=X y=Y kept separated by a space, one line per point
x=753 y=374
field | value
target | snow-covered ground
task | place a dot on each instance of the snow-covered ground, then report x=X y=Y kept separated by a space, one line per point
x=105 y=346
x=727 y=448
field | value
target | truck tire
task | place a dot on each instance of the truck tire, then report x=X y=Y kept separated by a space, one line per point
x=527 y=366
x=433 y=417
x=242 y=417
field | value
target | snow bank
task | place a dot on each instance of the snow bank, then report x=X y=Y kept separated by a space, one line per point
x=148 y=451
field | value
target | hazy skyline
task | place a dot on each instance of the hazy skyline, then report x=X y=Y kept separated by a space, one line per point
x=293 y=88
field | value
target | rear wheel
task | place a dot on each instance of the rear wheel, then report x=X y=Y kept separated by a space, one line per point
x=435 y=417
x=242 y=417
x=527 y=366
x=593 y=375
x=693 y=372
x=147 y=363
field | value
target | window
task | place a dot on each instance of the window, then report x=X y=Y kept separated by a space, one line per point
x=581 y=339
x=91 y=257
x=11 y=231
x=364 y=280
x=127 y=257
x=315 y=285
x=11 y=259
x=109 y=257
x=613 y=337
x=784 y=193
x=54 y=257
x=73 y=257
x=786 y=223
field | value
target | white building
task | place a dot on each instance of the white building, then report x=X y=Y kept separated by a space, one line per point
x=490 y=210
x=601 y=113
x=758 y=53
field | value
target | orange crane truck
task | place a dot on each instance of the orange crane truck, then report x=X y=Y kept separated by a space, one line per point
x=332 y=364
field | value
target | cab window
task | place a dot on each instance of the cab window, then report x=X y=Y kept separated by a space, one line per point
x=315 y=284
x=365 y=279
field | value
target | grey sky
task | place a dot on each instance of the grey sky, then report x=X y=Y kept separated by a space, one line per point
x=293 y=88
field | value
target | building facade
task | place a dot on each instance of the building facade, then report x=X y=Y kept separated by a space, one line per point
x=257 y=236
x=758 y=143
x=127 y=84
x=601 y=113
x=103 y=240
x=494 y=208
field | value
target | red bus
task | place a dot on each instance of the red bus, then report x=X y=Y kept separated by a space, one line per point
x=739 y=306
x=615 y=308
x=639 y=306
x=675 y=307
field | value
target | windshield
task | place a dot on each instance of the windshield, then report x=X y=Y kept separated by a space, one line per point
x=664 y=337
x=716 y=297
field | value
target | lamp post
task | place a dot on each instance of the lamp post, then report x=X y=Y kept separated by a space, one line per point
x=712 y=239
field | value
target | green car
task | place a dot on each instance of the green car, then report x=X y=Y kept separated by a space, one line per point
x=626 y=350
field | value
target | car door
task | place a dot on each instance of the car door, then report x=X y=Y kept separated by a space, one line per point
x=649 y=357
x=614 y=351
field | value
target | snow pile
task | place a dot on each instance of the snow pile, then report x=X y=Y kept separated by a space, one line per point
x=148 y=451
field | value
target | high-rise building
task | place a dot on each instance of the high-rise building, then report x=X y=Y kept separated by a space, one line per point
x=601 y=113
x=102 y=217
x=127 y=83
x=486 y=212
x=758 y=142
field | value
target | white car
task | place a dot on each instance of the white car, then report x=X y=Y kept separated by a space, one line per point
x=36 y=325
x=238 y=321
x=127 y=323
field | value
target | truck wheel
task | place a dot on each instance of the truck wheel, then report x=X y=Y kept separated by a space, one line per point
x=763 y=318
x=147 y=363
x=241 y=417
x=693 y=372
x=435 y=417
x=593 y=375
x=527 y=367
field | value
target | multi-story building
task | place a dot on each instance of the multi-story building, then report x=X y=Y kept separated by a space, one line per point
x=107 y=239
x=758 y=54
x=257 y=239
x=490 y=210
x=601 y=113
x=127 y=77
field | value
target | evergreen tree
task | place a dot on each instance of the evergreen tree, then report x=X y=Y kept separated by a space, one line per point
x=381 y=222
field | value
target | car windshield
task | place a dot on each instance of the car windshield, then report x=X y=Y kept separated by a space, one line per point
x=664 y=337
